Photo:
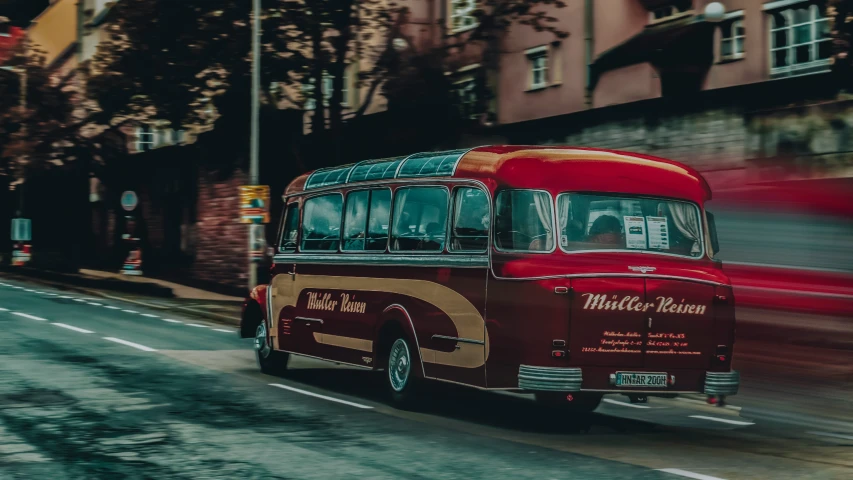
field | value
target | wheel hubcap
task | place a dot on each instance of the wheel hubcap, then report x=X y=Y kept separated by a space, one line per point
x=399 y=365
x=261 y=345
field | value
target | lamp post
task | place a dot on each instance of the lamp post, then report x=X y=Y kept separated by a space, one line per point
x=255 y=134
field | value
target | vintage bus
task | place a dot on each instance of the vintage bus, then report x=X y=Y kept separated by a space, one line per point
x=564 y=272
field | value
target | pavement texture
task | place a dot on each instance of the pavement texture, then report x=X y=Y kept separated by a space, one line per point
x=101 y=386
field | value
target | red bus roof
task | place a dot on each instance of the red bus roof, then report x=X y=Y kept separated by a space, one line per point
x=553 y=168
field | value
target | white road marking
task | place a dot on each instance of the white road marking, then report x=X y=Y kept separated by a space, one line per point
x=112 y=307
x=688 y=474
x=31 y=317
x=64 y=296
x=95 y=304
x=223 y=330
x=19 y=288
x=196 y=325
x=52 y=294
x=171 y=320
x=28 y=290
x=312 y=394
x=832 y=435
x=130 y=344
x=79 y=300
x=4 y=309
x=722 y=420
x=150 y=315
x=130 y=311
x=624 y=404
x=71 y=327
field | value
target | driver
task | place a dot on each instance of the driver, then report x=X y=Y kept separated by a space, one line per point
x=606 y=229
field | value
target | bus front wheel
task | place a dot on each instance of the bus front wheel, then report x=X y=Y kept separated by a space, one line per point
x=270 y=361
x=399 y=373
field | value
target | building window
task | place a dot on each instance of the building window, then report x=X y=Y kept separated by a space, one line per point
x=467 y=91
x=308 y=95
x=537 y=59
x=328 y=88
x=671 y=10
x=462 y=15
x=799 y=41
x=145 y=138
x=732 y=41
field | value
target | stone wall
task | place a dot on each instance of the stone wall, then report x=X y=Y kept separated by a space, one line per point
x=221 y=241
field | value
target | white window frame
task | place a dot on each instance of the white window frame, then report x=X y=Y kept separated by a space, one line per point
x=816 y=17
x=461 y=18
x=731 y=27
x=673 y=12
x=145 y=135
x=542 y=53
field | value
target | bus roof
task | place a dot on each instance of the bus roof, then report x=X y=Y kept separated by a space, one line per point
x=553 y=168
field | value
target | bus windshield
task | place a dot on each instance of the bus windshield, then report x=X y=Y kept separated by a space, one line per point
x=605 y=222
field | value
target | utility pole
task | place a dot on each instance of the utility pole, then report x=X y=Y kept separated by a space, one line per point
x=255 y=134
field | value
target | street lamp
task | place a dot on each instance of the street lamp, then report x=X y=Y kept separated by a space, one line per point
x=255 y=136
x=715 y=12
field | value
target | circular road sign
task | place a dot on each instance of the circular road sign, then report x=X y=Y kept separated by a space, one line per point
x=129 y=200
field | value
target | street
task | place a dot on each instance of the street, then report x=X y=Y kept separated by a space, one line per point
x=94 y=389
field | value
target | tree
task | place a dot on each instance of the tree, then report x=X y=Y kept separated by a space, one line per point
x=840 y=13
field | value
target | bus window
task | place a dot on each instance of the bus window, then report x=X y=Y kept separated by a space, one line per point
x=470 y=220
x=420 y=219
x=355 y=220
x=524 y=221
x=321 y=223
x=378 y=219
x=291 y=228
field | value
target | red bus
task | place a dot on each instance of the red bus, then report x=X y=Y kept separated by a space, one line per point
x=564 y=272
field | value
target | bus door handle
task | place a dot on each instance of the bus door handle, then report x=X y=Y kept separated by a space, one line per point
x=292 y=272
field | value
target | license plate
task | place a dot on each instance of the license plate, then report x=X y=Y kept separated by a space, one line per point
x=639 y=379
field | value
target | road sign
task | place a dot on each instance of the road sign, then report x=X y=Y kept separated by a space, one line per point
x=22 y=230
x=254 y=204
x=129 y=200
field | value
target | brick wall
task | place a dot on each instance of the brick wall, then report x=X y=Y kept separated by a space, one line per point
x=221 y=240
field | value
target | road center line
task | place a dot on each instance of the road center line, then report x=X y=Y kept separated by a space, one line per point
x=312 y=394
x=64 y=296
x=832 y=435
x=130 y=311
x=71 y=327
x=722 y=420
x=624 y=404
x=112 y=307
x=196 y=325
x=79 y=300
x=31 y=317
x=688 y=474
x=130 y=344
x=150 y=315
x=223 y=330
x=95 y=304
x=171 y=320
x=29 y=290
x=4 y=309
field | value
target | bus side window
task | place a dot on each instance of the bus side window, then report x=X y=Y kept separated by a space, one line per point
x=470 y=220
x=355 y=220
x=291 y=229
x=420 y=219
x=321 y=223
x=378 y=219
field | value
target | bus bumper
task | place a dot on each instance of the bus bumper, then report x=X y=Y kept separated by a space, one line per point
x=554 y=379
x=722 y=383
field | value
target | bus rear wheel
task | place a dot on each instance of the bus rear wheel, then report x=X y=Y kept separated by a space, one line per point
x=575 y=403
x=399 y=374
x=270 y=361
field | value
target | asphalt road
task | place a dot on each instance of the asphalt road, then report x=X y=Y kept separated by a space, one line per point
x=94 y=389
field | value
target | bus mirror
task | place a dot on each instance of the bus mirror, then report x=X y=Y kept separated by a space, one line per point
x=712 y=225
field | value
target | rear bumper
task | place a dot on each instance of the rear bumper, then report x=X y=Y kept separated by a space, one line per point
x=722 y=383
x=571 y=379
x=551 y=379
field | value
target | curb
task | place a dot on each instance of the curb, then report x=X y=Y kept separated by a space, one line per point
x=194 y=312
x=140 y=288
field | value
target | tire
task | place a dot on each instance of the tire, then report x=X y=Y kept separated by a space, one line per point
x=270 y=361
x=400 y=374
x=572 y=403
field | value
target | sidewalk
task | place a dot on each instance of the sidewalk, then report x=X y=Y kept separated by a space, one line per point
x=144 y=291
